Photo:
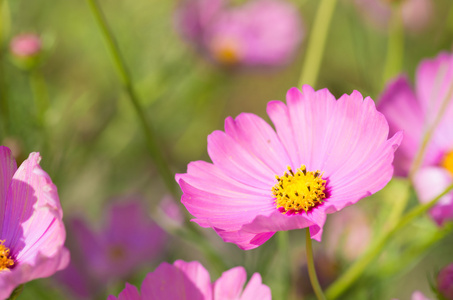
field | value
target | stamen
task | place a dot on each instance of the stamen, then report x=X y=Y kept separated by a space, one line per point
x=447 y=162
x=299 y=191
x=6 y=262
x=226 y=51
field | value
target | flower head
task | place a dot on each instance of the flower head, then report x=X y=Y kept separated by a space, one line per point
x=325 y=154
x=242 y=35
x=445 y=282
x=32 y=233
x=128 y=240
x=190 y=280
x=427 y=110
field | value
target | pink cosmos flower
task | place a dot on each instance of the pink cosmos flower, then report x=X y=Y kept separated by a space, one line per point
x=416 y=112
x=25 y=45
x=32 y=233
x=445 y=282
x=190 y=280
x=243 y=35
x=128 y=240
x=325 y=155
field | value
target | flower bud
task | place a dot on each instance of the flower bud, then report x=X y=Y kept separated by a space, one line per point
x=445 y=282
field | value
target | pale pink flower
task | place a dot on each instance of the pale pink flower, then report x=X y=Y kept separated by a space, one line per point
x=32 y=233
x=170 y=212
x=25 y=45
x=242 y=35
x=194 y=17
x=247 y=35
x=127 y=240
x=445 y=282
x=415 y=112
x=415 y=14
x=190 y=280
x=349 y=233
x=338 y=151
x=417 y=295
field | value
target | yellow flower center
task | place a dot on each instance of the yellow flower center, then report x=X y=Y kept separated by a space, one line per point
x=6 y=262
x=300 y=190
x=447 y=162
x=226 y=51
x=117 y=252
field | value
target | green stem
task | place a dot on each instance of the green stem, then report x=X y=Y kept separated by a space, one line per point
x=399 y=206
x=311 y=267
x=316 y=42
x=412 y=253
x=354 y=272
x=395 y=45
x=283 y=249
x=125 y=78
x=17 y=291
x=4 y=105
x=38 y=87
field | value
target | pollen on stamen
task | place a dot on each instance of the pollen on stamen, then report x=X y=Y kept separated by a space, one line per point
x=6 y=262
x=447 y=162
x=299 y=190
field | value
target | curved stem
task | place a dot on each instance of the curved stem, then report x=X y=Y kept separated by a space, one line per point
x=311 y=267
x=316 y=43
x=354 y=272
x=17 y=291
x=120 y=66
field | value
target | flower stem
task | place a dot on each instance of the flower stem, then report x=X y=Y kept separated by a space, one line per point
x=4 y=105
x=311 y=267
x=316 y=43
x=359 y=266
x=17 y=291
x=395 y=45
x=38 y=87
x=283 y=249
x=125 y=78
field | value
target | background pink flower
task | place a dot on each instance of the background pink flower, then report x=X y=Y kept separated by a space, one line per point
x=416 y=14
x=128 y=240
x=31 y=225
x=194 y=17
x=415 y=113
x=244 y=35
x=190 y=280
x=445 y=282
x=346 y=140
x=248 y=34
x=349 y=234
